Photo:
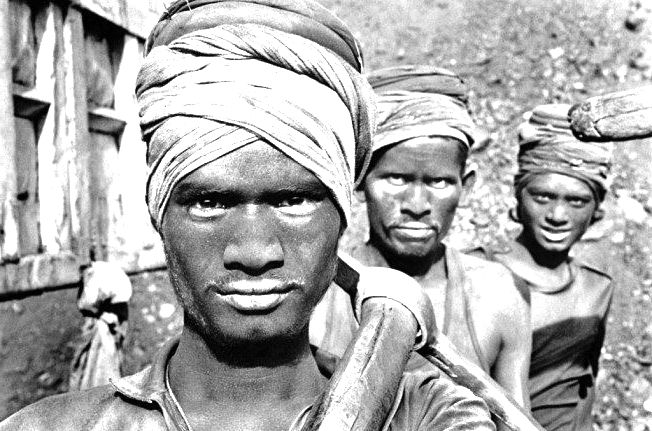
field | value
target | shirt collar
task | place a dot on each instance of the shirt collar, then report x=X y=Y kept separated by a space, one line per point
x=148 y=385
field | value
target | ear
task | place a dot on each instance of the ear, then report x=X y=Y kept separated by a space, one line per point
x=598 y=215
x=468 y=180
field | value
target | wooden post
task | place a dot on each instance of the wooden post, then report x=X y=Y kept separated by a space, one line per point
x=8 y=220
x=52 y=158
x=72 y=135
x=135 y=230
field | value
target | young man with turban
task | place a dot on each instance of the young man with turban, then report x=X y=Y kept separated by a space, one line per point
x=413 y=186
x=257 y=122
x=559 y=187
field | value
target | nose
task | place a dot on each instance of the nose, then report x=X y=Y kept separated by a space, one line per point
x=253 y=247
x=557 y=214
x=415 y=201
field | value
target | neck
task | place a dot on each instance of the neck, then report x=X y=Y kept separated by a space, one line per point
x=430 y=265
x=284 y=373
x=540 y=256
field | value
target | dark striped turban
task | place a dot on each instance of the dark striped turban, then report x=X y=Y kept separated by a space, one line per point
x=546 y=144
x=220 y=75
x=420 y=101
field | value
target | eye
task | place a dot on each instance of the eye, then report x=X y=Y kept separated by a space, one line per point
x=297 y=205
x=578 y=202
x=395 y=180
x=541 y=198
x=439 y=183
x=207 y=206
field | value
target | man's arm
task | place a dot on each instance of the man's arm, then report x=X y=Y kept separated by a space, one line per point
x=513 y=362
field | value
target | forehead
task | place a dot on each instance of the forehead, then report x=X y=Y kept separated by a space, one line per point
x=559 y=184
x=430 y=155
x=256 y=168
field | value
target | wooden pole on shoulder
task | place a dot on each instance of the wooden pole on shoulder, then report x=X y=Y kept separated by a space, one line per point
x=366 y=380
x=618 y=116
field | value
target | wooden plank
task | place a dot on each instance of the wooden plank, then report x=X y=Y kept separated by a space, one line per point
x=107 y=121
x=53 y=160
x=28 y=103
x=135 y=17
x=23 y=51
x=38 y=272
x=139 y=239
x=73 y=145
x=8 y=220
x=26 y=187
x=99 y=71
x=105 y=197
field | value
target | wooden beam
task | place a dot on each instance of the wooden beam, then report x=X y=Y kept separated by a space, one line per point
x=53 y=159
x=28 y=103
x=135 y=231
x=35 y=274
x=26 y=186
x=135 y=17
x=107 y=121
x=8 y=220
x=72 y=136
x=23 y=49
x=39 y=272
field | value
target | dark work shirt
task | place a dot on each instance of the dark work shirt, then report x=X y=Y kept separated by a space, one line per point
x=143 y=402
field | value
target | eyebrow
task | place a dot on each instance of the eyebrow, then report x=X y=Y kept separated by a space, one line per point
x=309 y=187
x=581 y=195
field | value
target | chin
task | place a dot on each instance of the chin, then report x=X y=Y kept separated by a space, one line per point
x=412 y=251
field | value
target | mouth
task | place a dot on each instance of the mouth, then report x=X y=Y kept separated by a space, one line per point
x=254 y=295
x=415 y=231
x=555 y=236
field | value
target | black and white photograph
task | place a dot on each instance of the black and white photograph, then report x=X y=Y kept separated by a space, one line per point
x=302 y=215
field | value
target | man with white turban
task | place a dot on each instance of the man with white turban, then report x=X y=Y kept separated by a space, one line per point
x=412 y=188
x=560 y=184
x=257 y=121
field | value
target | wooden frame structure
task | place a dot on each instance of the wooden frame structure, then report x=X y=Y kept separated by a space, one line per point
x=72 y=165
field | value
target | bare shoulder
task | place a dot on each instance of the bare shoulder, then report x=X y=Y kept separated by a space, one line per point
x=492 y=284
x=72 y=411
x=488 y=279
x=55 y=412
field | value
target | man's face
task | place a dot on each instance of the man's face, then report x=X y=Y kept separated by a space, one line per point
x=412 y=192
x=251 y=242
x=555 y=210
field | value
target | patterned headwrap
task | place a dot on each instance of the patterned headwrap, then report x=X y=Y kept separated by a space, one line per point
x=223 y=74
x=548 y=145
x=420 y=101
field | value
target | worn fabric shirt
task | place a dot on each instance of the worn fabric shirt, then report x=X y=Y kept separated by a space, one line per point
x=144 y=401
x=568 y=332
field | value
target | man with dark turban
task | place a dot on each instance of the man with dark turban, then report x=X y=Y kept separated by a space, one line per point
x=413 y=186
x=257 y=122
x=559 y=187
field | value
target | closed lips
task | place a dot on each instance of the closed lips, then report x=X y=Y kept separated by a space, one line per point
x=254 y=295
x=263 y=286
